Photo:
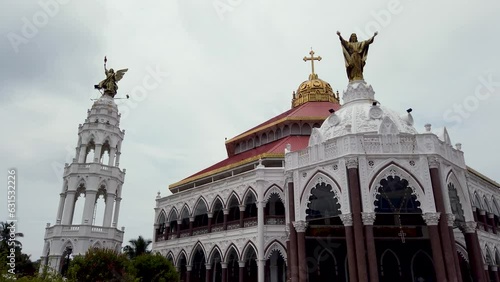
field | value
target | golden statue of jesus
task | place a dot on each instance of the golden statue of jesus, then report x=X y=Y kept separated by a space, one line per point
x=355 y=54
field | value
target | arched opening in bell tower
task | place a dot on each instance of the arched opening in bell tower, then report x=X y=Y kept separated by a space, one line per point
x=105 y=153
x=99 y=208
x=79 y=205
x=90 y=152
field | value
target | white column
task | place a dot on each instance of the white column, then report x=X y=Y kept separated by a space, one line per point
x=60 y=209
x=112 y=152
x=69 y=203
x=97 y=153
x=261 y=263
x=117 y=161
x=88 y=210
x=108 y=212
x=117 y=211
x=83 y=154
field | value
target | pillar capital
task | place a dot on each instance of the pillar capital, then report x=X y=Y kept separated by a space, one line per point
x=241 y=263
x=351 y=163
x=346 y=219
x=189 y=267
x=431 y=218
x=433 y=162
x=494 y=268
x=223 y=264
x=300 y=226
x=469 y=227
x=191 y=219
x=179 y=222
x=210 y=214
x=451 y=219
x=482 y=212
x=368 y=218
x=491 y=215
x=225 y=211
x=242 y=207
x=208 y=266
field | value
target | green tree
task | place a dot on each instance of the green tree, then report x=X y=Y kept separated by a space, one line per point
x=155 y=268
x=5 y=235
x=101 y=265
x=137 y=247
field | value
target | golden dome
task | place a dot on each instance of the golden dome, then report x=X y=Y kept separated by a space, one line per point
x=314 y=90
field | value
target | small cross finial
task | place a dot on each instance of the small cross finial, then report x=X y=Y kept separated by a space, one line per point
x=312 y=59
x=402 y=234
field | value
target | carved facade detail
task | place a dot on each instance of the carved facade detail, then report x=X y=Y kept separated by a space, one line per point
x=431 y=218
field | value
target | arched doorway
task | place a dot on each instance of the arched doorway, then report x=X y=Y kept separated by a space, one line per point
x=422 y=267
x=198 y=269
x=325 y=241
x=401 y=235
x=233 y=268
x=276 y=268
x=250 y=271
x=325 y=268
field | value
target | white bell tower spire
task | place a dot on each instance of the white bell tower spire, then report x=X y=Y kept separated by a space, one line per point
x=93 y=174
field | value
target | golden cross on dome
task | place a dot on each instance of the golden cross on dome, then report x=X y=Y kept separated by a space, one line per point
x=312 y=59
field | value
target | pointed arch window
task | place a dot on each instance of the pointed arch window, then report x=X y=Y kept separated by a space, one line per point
x=323 y=207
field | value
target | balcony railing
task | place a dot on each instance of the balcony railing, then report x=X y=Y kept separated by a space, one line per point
x=275 y=220
x=230 y=225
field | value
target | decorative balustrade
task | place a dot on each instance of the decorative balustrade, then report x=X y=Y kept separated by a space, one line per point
x=200 y=230
x=275 y=220
x=231 y=225
x=235 y=224
x=249 y=222
x=217 y=228
x=373 y=144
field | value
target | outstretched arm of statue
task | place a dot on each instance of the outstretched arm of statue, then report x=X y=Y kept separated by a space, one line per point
x=342 y=40
x=370 y=41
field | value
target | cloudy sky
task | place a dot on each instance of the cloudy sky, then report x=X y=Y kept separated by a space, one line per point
x=220 y=67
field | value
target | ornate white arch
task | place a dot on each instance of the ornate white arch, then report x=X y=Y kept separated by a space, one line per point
x=160 y=215
x=212 y=253
x=97 y=245
x=66 y=244
x=275 y=246
x=248 y=245
x=195 y=247
x=318 y=178
x=212 y=204
x=177 y=259
x=228 y=250
x=173 y=210
x=274 y=189
x=426 y=200
x=233 y=193
x=185 y=207
x=200 y=199
x=466 y=207
x=462 y=251
x=487 y=253
x=245 y=195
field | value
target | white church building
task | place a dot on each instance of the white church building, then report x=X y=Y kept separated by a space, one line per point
x=330 y=192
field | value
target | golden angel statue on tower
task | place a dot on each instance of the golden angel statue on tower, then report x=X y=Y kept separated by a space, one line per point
x=109 y=83
x=355 y=54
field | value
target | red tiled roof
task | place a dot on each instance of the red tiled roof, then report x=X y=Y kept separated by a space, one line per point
x=307 y=111
x=275 y=148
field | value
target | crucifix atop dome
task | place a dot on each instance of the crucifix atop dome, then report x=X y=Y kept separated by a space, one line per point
x=312 y=59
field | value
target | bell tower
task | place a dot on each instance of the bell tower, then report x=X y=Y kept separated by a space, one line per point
x=93 y=179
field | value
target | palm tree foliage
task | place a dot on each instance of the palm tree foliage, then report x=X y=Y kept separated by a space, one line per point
x=6 y=237
x=137 y=247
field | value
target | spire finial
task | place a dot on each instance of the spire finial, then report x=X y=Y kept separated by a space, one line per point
x=312 y=59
